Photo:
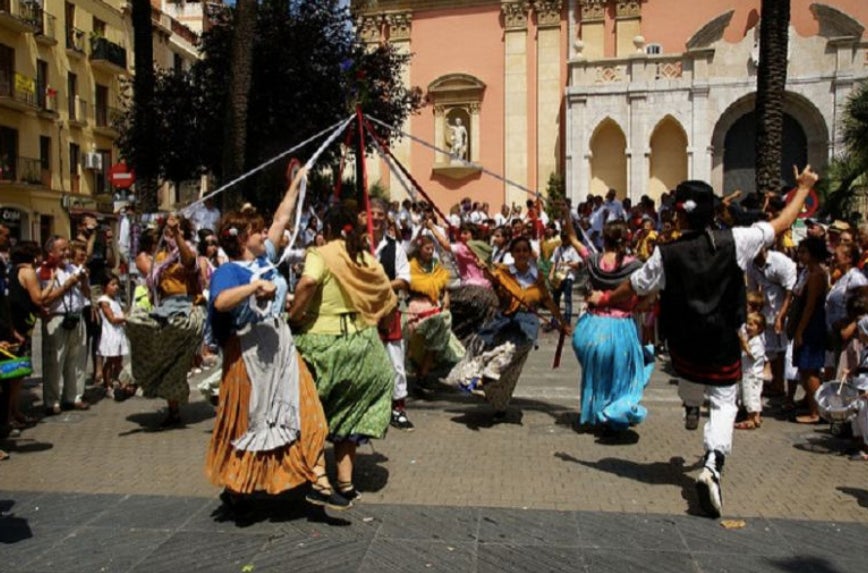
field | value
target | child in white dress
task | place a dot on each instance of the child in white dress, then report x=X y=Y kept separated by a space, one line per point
x=753 y=358
x=113 y=344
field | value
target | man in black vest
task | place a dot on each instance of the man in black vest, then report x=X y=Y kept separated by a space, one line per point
x=394 y=260
x=700 y=277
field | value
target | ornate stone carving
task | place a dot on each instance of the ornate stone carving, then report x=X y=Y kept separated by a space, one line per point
x=710 y=32
x=474 y=107
x=628 y=9
x=835 y=23
x=439 y=111
x=593 y=10
x=669 y=70
x=515 y=14
x=548 y=13
x=399 y=26
x=369 y=28
x=609 y=75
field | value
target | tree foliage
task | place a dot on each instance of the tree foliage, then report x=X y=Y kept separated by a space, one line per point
x=852 y=164
x=309 y=71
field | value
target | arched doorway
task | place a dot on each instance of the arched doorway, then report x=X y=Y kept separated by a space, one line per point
x=668 y=161
x=608 y=159
x=806 y=140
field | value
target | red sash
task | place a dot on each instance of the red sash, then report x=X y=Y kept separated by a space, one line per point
x=390 y=327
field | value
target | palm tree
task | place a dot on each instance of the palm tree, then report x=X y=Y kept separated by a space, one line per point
x=771 y=83
x=144 y=129
x=852 y=164
x=240 y=74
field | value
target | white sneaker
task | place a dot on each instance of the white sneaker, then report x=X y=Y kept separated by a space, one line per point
x=708 y=489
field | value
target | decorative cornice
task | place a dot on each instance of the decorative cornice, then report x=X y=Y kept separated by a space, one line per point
x=515 y=14
x=399 y=26
x=593 y=10
x=369 y=28
x=379 y=6
x=835 y=23
x=628 y=9
x=548 y=13
x=710 y=32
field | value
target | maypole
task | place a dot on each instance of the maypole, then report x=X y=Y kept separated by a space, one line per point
x=363 y=177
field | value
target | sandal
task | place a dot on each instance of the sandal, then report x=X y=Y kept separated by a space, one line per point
x=746 y=425
x=321 y=493
x=860 y=456
x=806 y=419
x=3 y=455
x=349 y=491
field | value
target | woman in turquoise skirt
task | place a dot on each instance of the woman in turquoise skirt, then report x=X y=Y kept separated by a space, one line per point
x=615 y=366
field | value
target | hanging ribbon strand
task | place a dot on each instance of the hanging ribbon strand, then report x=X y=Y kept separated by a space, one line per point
x=186 y=210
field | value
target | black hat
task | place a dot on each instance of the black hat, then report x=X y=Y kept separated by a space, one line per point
x=696 y=200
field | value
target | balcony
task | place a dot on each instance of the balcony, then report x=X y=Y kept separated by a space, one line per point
x=19 y=15
x=107 y=56
x=77 y=112
x=25 y=170
x=46 y=101
x=46 y=31
x=17 y=92
x=106 y=120
x=75 y=45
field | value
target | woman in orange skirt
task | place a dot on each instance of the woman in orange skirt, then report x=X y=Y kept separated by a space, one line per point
x=270 y=430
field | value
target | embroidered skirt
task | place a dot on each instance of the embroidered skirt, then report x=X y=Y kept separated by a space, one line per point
x=354 y=379
x=162 y=352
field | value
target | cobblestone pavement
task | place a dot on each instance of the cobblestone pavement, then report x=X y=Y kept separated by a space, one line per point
x=788 y=482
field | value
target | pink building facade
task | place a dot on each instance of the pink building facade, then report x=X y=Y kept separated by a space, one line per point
x=634 y=95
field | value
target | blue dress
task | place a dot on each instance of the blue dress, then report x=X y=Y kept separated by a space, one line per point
x=615 y=366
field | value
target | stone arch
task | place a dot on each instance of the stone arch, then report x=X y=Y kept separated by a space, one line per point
x=806 y=138
x=667 y=158
x=608 y=159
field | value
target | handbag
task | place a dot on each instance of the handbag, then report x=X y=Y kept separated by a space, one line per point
x=70 y=320
x=12 y=367
x=794 y=315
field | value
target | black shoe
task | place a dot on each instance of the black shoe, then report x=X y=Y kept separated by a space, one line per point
x=331 y=500
x=350 y=492
x=401 y=421
x=691 y=417
x=172 y=420
x=499 y=416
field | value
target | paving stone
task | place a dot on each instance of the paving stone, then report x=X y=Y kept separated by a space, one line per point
x=758 y=537
x=21 y=543
x=104 y=549
x=603 y=560
x=212 y=552
x=312 y=554
x=619 y=531
x=526 y=527
x=65 y=509
x=150 y=512
x=432 y=524
x=412 y=555
x=823 y=539
x=492 y=557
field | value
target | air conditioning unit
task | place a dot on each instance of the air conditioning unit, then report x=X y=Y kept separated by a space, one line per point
x=93 y=161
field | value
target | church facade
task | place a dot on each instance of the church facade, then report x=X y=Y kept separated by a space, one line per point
x=634 y=95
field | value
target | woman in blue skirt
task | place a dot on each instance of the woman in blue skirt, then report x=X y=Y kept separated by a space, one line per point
x=615 y=366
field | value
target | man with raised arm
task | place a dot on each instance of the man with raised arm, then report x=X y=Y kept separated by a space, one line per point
x=701 y=281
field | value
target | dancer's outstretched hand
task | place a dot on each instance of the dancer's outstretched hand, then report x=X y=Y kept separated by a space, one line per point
x=594 y=298
x=807 y=178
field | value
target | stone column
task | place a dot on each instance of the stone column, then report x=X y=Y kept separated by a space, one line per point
x=515 y=98
x=548 y=15
x=399 y=36
x=700 y=151
x=578 y=167
x=638 y=141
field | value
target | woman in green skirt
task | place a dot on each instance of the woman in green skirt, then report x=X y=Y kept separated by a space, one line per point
x=340 y=298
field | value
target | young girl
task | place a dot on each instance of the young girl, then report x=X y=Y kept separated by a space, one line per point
x=113 y=344
x=753 y=358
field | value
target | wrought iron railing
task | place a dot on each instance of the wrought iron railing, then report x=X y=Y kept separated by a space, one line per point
x=75 y=40
x=21 y=170
x=102 y=49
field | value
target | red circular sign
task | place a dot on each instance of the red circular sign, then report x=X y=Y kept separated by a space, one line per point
x=292 y=169
x=121 y=176
x=812 y=203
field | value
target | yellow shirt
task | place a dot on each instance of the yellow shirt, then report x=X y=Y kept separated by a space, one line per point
x=329 y=302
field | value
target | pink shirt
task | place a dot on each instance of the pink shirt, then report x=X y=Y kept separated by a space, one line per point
x=469 y=272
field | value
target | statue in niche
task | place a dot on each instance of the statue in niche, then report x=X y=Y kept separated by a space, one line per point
x=458 y=140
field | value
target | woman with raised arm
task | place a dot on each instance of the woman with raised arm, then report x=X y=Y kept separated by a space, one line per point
x=164 y=340
x=502 y=345
x=341 y=296
x=270 y=431
x=473 y=302
x=615 y=367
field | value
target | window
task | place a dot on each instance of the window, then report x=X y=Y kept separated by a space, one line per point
x=100 y=176
x=74 y=163
x=69 y=16
x=98 y=27
x=177 y=63
x=8 y=153
x=72 y=91
x=7 y=70
x=41 y=83
x=653 y=49
x=101 y=106
x=45 y=160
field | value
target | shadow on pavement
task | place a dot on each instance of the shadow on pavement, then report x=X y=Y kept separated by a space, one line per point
x=286 y=507
x=823 y=442
x=25 y=446
x=805 y=563
x=673 y=472
x=861 y=495
x=12 y=529
x=192 y=413
x=368 y=472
